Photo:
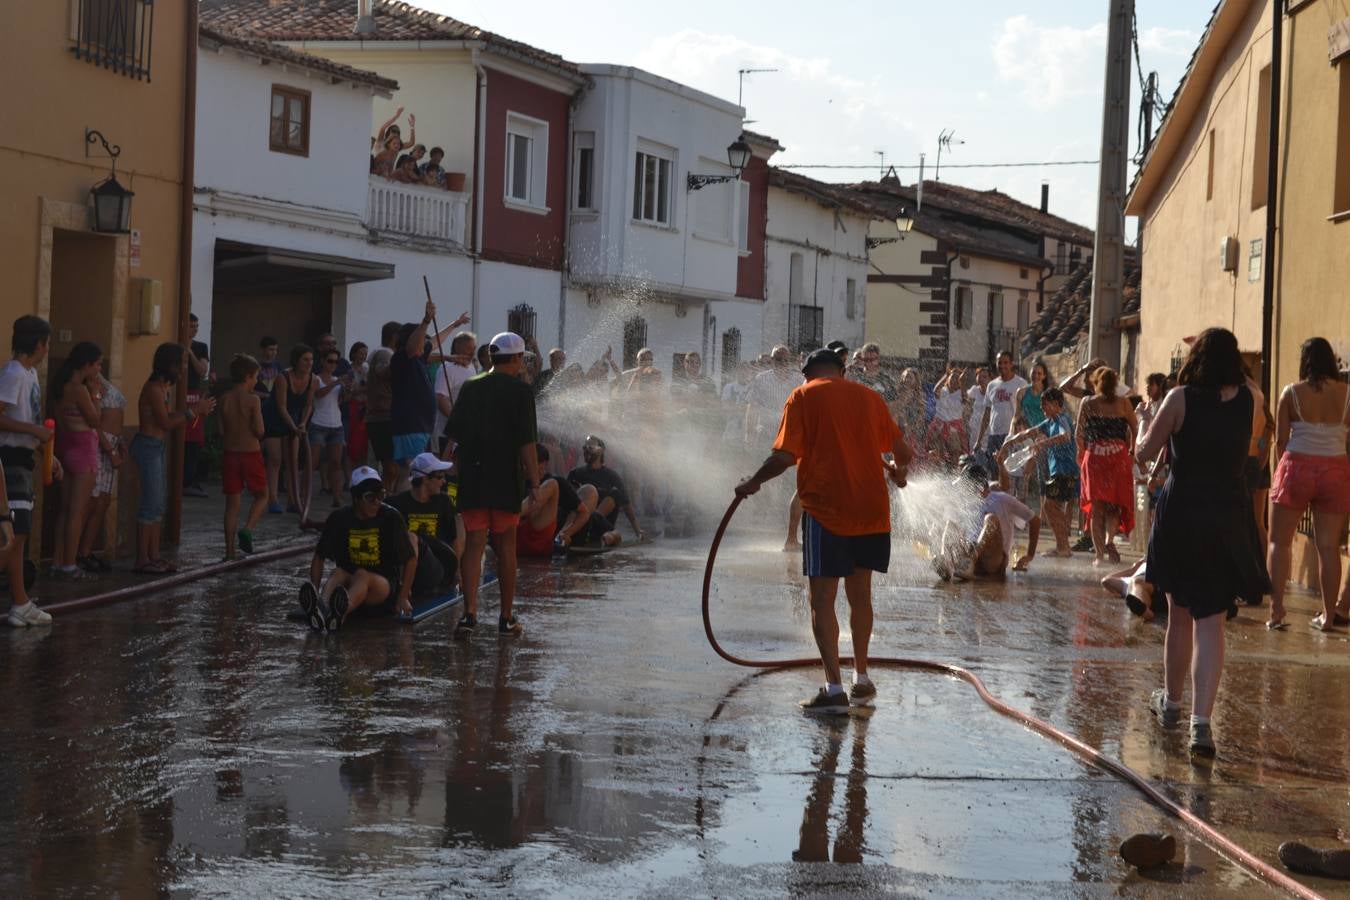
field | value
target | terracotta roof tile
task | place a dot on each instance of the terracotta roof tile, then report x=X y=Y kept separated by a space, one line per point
x=1064 y=321
x=822 y=192
x=213 y=35
x=335 y=20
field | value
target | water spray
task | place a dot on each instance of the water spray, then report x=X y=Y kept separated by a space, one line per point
x=1205 y=832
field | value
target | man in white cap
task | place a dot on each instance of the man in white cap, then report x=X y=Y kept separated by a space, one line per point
x=431 y=514
x=377 y=559
x=493 y=426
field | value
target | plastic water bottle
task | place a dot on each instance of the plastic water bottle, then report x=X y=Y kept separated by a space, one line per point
x=1017 y=459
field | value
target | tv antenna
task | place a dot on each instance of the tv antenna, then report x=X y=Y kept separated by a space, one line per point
x=946 y=138
x=881 y=160
x=740 y=82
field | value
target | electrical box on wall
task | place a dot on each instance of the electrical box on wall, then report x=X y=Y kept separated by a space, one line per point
x=1228 y=254
x=146 y=300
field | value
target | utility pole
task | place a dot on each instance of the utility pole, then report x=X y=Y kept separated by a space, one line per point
x=1108 y=256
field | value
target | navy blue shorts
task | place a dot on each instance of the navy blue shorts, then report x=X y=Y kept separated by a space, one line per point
x=827 y=555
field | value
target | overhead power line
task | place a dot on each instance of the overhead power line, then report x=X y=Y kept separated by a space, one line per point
x=1013 y=165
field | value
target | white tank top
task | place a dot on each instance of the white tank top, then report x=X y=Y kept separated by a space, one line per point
x=327 y=414
x=1317 y=438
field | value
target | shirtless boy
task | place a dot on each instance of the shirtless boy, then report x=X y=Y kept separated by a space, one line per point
x=241 y=431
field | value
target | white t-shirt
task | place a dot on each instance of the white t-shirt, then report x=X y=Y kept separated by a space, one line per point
x=457 y=375
x=1008 y=510
x=22 y=396
x=1000 y=396
x=949 y=406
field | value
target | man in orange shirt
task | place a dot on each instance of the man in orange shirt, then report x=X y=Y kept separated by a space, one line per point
x=835 y=432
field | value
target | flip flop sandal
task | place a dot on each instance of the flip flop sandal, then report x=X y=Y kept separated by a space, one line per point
x=1277 y=626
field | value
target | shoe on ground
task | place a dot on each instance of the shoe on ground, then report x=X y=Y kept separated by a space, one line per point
x=245 y=537
x=467 y=623
x=862 y=694
x=74 y=573
x=826 y=704
x=1084 y=544
x=1146 y=851
x=91 y=564
x=194 y=490
x=28 y=615
x=1202 y=740
x=1168 y=717
x=507 y=625
x=275 y=508
x=309 y=603
x=338 y=604
x=1328 y=863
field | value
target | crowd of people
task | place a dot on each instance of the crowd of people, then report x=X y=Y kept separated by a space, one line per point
x=406 y=161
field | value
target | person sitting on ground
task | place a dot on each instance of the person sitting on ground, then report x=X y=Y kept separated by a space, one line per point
x=431 y=514
x=559 y=515
x=611 y=494
x=241 y=433
x=983 y=548
x=378 y=564
x=1054 y=437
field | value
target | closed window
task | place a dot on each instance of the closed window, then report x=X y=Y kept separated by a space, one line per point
x=583 y=151
x=1341 y=198
x=634 y=339
x=995 y=309
x=526 y=161
x=1261 y=146
x=731 y=349
x=851 y=298
x=114 y=34
x=714 y=208
x=796 y=278
x=1023 y=312
x=289 y=130
x=653 y=177
x=810 y=322
x=964 y=301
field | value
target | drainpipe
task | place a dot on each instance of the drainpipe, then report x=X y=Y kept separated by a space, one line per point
x=951 y=319
x=479 y=164
x=565 y=276
x=187 y=177
x=1272 y=196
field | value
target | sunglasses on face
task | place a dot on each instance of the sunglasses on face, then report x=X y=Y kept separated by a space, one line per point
x=372 y=495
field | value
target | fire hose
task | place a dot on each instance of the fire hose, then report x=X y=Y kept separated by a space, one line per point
x=1205 y=832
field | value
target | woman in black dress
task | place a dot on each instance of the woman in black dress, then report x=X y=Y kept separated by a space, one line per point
x=1204 y=552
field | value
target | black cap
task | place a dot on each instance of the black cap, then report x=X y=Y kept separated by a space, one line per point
x=823 y=357
x=593 y=441
x=837 y=346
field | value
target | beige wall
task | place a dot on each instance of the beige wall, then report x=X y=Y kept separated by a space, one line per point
x=1195 y=206
x=893 y=316
x=45 y=177
x=1314 y=252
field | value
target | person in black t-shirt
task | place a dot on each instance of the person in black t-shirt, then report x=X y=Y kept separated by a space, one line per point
x=611 y=493
x=561 y=514
x=431 y=515
x=377 y=559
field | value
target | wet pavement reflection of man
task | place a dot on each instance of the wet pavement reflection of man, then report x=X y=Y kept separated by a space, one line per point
x=814 y=843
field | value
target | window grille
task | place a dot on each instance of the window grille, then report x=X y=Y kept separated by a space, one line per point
x=731 y=349
x=521 y=319
x=810 y=328
x=634 y=339
x=115 y=34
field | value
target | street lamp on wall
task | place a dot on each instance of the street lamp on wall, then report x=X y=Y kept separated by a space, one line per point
x=112 y=202
x=738 y=157
x=904 y=224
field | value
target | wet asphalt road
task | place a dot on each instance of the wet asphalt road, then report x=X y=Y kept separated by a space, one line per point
x=200 y=744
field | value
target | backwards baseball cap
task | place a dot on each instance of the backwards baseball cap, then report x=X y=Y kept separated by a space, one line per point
x=837 y=347
x=822 y=357
x=508 y=343
x=593 y=441
x=425 y=464
x=365 y=480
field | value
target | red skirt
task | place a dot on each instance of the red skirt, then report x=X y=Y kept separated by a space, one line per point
x=358 y=439
x=1108 y=477
x=949 y=439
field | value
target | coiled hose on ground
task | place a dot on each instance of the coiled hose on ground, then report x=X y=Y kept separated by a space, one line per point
x=1201 y=829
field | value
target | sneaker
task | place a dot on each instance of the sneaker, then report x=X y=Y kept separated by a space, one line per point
x=862 y=694
x=467 y=624
x=1147 y=851
x=309 y=602
x=1202 y=739
x=275 y=509
x=194 y=490
x=28 y=615
x=507 y=625
x=1168 y=716
x=1329 y=863
x=338 y=604
x=826 y=704
x=245 y=537
x=74 y=573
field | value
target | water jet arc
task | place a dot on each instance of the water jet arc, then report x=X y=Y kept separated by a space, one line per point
x=1224 y=846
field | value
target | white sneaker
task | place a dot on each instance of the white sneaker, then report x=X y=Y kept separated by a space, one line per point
x=28 y=614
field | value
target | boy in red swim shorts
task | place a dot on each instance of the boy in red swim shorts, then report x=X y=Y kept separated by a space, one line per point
x=241 y=430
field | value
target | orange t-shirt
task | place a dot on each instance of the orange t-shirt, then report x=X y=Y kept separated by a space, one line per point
x=837 y=430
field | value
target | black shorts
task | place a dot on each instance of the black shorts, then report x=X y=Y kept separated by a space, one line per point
x=1257 y=475
x=19 y=463
x=828 y=555
x=1060 y=489
x=381 y=436
x=427 y=577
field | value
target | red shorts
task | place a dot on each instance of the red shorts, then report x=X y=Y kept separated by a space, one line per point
x=531 y=541
x=493 y=521
x=243 y=467
x=1322 y=482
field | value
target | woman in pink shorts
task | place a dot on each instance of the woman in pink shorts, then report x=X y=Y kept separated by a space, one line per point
x=77 y=446
x=1313 y=471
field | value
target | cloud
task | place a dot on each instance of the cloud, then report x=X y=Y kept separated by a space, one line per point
x=1052 y=65
x=1167 y=42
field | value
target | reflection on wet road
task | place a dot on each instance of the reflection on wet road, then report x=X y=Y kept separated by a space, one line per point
x=202 y=744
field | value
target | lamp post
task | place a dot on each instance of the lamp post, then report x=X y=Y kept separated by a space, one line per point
x=904 y=224
x=112 y=202
x=738 y=157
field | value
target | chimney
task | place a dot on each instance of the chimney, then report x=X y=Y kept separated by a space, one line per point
x=365 y=17
x=1045 y=196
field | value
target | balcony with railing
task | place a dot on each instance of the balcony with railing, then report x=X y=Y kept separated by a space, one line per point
x=417 y=212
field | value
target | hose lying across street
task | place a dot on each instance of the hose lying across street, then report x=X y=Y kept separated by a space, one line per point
x=1201 y=829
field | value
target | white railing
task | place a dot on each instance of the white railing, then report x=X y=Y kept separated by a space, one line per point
x=417 y=211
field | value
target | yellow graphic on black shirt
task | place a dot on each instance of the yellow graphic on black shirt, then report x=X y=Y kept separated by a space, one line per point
x=363 y=546
x=424 y=523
